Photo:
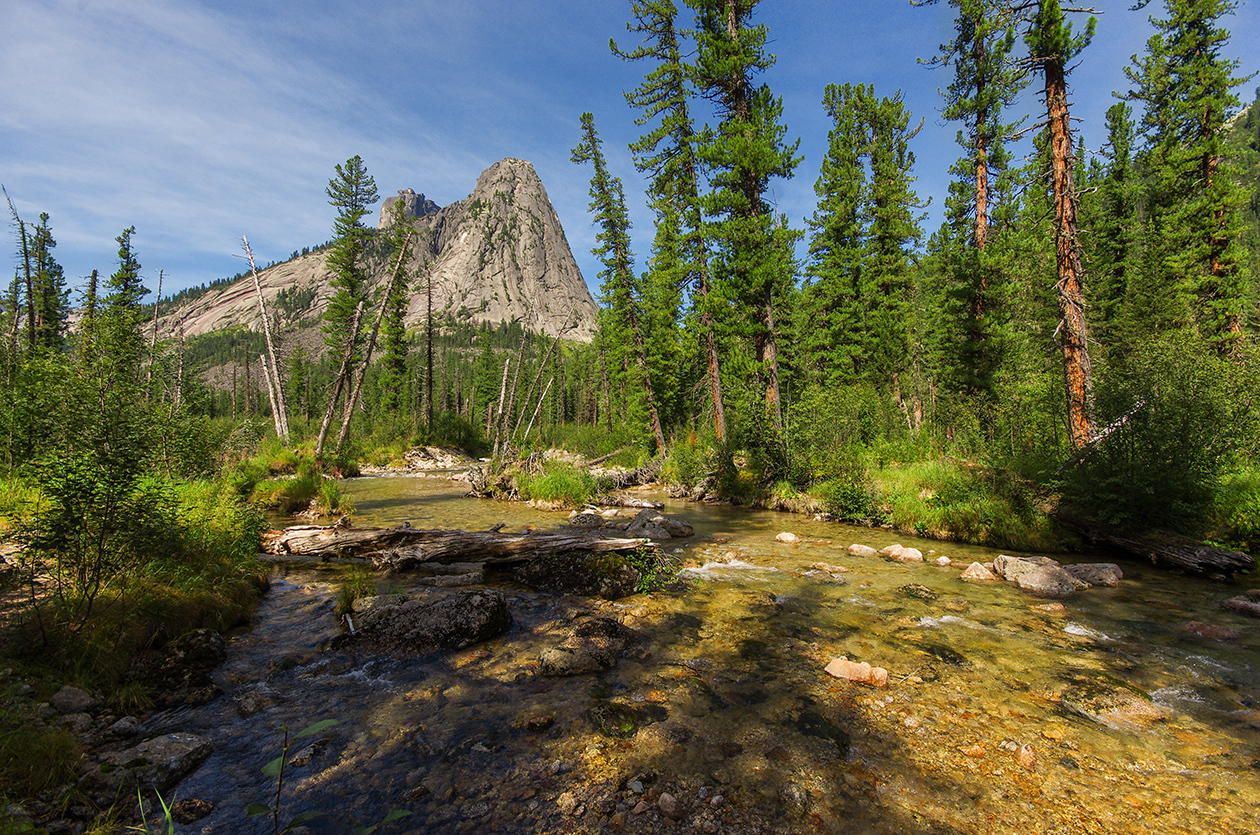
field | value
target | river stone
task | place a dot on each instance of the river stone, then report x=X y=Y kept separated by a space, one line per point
x=1096 y=573
x=1244 y=604
x=594 y=575
x=180 y=673
x=1039 y=575
x=859 y=550
x=908 y=555
x=436 y=620
x=651 y=518
x=862 y=673
x=1209 y=630
x=592 y=645
x=587 y=520
x=977 y=573
x=158 y=763
x=892 y=550
x=787 y=537
x=73 y=700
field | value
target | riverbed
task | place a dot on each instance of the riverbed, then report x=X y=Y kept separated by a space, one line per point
x=1003 y=712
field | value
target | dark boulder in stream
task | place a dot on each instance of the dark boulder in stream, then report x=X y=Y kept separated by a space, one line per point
x=432 y=621
x=179 y=674
x=591 y=646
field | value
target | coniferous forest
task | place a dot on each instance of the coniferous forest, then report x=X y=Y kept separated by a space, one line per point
x=1073 y=353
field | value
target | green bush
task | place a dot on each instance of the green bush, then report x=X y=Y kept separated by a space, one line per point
x=560 y=483
x=1234 y=518
x=1163 y=466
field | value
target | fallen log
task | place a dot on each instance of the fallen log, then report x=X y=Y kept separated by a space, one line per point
x=405 y=547
x=631 y=502
x=1167 y=549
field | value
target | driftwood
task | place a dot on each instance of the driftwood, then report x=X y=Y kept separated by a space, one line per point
x=627 y=501
x=401 y=548
x=648 y=473
x=1167 y=549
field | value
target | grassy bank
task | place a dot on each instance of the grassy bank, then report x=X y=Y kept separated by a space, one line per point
x=186 y=557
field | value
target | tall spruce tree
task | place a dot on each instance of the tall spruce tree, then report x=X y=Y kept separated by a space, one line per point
x=620 y=294
x=754 y=262
x=668 y=151
x=1052 y=46
x=351 y=192
x=1116 y=232
x=51 y=299
x=1194 y=233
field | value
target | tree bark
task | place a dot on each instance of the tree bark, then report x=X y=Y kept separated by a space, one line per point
x=1072 y=332
x=340 y=381
x=279 y=407
x=401 y=548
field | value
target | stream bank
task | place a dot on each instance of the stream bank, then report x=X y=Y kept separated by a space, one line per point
x=1002 y=711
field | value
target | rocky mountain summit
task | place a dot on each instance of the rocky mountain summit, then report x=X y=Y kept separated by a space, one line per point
x=500 y=255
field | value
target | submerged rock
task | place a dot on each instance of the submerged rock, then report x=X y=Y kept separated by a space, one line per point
x=437 y=620
x=607 y=575
x=1247 y=603
x=787 y=537
x=591 y=646
x=1209 y=630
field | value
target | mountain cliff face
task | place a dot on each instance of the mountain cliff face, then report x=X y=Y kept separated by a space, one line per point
x=498 y=256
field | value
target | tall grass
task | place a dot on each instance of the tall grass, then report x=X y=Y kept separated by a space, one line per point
x=944 y=499
x=558 y=483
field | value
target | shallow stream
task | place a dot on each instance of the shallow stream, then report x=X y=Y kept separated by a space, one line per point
x=1001 y=714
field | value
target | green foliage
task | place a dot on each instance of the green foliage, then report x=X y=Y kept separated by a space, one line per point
x=34 y=757
x=947 y=500
x=358 y=581
x=559 y=483
x=1234 y=518
x=1184 y=425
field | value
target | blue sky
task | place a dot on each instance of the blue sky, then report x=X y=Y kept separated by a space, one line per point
x=201 y=122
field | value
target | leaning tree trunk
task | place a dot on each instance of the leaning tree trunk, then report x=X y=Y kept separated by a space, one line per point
x=339 y=383
x=274 y=384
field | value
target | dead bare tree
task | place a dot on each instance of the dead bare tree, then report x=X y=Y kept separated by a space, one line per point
x=279 y=408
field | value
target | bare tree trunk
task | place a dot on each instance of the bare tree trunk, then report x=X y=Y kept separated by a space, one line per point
x=353 y=399
x=148 y=377
x=771 y=351
x=492 y=413
x=339 y=382
x=1072 y=332
x=279 y=408
x=271 y=391
x=536 y=408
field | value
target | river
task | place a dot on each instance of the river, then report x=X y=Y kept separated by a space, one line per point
x=1002 y=714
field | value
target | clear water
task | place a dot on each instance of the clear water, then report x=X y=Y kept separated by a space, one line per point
x=1127 y=723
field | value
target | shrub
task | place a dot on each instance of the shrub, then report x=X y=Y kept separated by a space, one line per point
x=560 y=483
x=1234 y=518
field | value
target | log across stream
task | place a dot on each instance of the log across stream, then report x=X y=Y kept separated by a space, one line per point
x=405 y=547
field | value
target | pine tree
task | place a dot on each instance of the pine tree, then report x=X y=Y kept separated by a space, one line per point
x=754 y=263
x=351 y=192
x=1052 y=46
x=668 y=151
x=51 y=298
x=393 y=328
x=1194 y=202
x=618 y=289
x=1116 y=232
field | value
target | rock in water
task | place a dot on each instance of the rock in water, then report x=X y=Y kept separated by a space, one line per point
x=1039 y=575
x=977 y=573
x=862 y=673
x=437 y=620
x=1096 y=573
x=859 y=550
x=159 y=763
x=653 y=524
x=591 y=646
x=1209 y=630
x=787 y=537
